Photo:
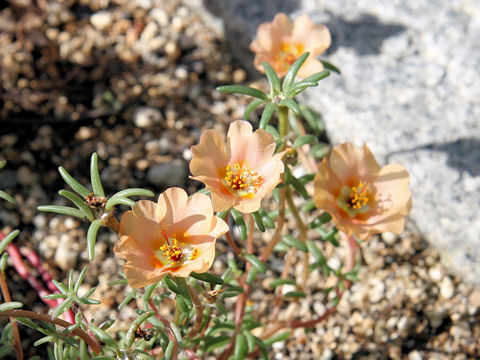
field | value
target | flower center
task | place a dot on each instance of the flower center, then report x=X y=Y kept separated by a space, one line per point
x=288 y=54
x=242 y=179
x=356 y=199
x=359 y=195
x=175 y=253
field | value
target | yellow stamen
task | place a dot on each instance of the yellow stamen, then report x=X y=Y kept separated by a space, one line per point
x=242 y=179
x=359 y=196
x=288 y=54
x=172 y=252
x=175 y=253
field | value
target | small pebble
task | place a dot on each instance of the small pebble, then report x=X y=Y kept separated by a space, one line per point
x=447 y=288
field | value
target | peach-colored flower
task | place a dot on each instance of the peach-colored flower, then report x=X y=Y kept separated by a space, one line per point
x=281 y=42
x=241 y=173
x=362 y=198
x=174 y=236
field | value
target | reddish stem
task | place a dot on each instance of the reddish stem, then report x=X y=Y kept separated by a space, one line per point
x=16 y=334
x=26 y=274
x=44 y=317
x=34 y=259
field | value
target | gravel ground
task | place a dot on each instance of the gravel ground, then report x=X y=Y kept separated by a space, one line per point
x=135 y=81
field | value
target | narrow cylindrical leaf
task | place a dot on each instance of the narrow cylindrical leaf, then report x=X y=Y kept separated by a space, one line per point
x=331 y=237
x=106 y=324
x=272 y=78
x=304 y=179
x=314 y=119
x=320 y=220
x=7 y=197
x=77 y=200
x=270 y=129
x=262 y=347
x=267 y=114
x=43 y=340
x=296 y=243
x=266 y=219
x=87 y=301
x=169 y=350
x=319 y=150
x=305 y=139
x=182 y=288
x=80 y=278
x=280 y=337
x=133 y=192
x=207 y=277
x=278 y=282
x=297 y=184
x=148 y=293
x=55 y=296
x=244 y=90
x=74 y=184
x=258 y=220
x=64 y=210
x=330 y=66
x=250 y=340
x=238 y=218
x=292 y=72
x=308 y=206
x=252 y=106
x=70 y=281
x=176 y=332
x=252 y=274
x=216 y=342
x=315 y=77
x=62 y=307
x=58 y=350
x=92 y=237
x=130 y=334
x=95 y=176
x=316 y=252
x=171 y=285
x=60 y=287
x=255 y=261
x=128 y=297
x=291 y=104
x=83 y=352
x=241 y=347
x=281 y=247
x=118 y=201
x=288 y=176
x=294 y=294
x=10 y=305
x=103 y=336
x=8 y=239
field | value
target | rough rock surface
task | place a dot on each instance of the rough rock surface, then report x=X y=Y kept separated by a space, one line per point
x=408 y=89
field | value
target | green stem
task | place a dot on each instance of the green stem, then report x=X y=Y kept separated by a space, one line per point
x=283 y=122
x=303 y=235
x=199 y=308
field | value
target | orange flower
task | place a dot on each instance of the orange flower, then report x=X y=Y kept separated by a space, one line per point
x=241 y=173
x=281 y=42
x=174 y=236
x=362 y=198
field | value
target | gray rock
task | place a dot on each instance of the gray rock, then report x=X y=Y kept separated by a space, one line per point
x=168 y=174
x=408 y=88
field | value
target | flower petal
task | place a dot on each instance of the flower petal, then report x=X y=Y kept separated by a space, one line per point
x=209 y=157
x=251 y=149
x=310 y=67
